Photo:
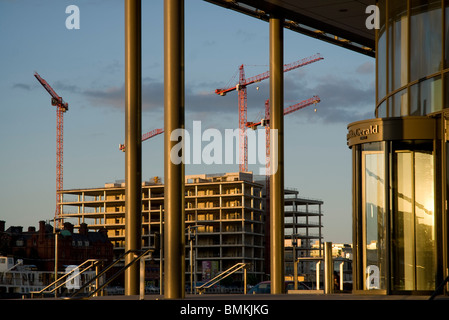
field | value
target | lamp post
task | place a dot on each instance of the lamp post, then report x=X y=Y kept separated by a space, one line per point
x=55 y=233
x=161 y=248
x=191 y=236
x=295 y=263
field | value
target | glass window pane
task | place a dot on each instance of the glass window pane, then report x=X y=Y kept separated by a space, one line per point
x=399 y=104
x=413 y=219
x=426 y=97
x=425 y=38
x=381 y=65
x=446 y=90
x=390 y=106
x=382 y=55
x=424 y=214
x=403 y=235
x=374 y=217
x=415 y=105
x=382 y=110
x=398 y=44
x=446 y=40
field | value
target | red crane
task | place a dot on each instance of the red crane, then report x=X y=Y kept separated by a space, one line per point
x=145 y=136
x=242 y=100
x=61 y=108
x=300 y=105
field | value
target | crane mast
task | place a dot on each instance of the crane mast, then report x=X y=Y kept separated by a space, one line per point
x=61 y=108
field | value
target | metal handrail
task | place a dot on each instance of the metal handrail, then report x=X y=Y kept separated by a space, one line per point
x=221 y=276
x=136 y=258
x=92 y=262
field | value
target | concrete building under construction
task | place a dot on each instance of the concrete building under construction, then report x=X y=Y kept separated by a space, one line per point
x=224 y=213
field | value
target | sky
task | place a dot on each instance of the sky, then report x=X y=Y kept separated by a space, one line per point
x=86 y=67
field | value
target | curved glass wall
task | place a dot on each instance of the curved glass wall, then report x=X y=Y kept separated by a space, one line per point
x=412 y=57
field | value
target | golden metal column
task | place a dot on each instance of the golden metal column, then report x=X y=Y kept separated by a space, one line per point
x=174 y=239
x=277 y=154
x=133 y=137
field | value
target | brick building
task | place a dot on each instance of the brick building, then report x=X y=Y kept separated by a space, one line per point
x=38 y=247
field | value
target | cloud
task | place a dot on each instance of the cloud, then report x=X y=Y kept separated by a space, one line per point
x=197 y=99
x=112 y=97
x=22 y=86
x=345 y=98
x=365 y=68
x=62 y=86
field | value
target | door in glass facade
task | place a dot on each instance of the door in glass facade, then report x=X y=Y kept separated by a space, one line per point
x=373 y=215
x=413 y=250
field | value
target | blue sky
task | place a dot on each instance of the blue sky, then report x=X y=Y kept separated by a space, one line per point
x=86 y=68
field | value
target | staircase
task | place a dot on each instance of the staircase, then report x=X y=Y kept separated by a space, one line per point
x=223 y=275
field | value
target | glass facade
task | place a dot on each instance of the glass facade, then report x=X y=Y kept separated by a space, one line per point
x=413 y=217
x=412 y=61
x=373 y=216
x=400 y=159
x=396 y=216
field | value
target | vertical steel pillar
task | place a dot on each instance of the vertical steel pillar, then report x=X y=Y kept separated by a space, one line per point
x=133 y=136
x=328 y=269
x=444 y=193
x=277 y=154
x=161 y=250
x=174 y=239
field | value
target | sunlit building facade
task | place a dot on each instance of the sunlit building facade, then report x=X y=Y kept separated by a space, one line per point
x=400 y=185
x=223 y=215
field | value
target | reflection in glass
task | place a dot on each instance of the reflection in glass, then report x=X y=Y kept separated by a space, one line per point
x=382 y=56
x=425 y=38
x=446 y=90
x=382 y=110
x=446 y=34
x=398 y=44
x=399 y=104
x=374 y=216
x=426 y=96
x=413 y=230
x=414 y=52
x=402 y=245
x=424 y=215
x=382 y=65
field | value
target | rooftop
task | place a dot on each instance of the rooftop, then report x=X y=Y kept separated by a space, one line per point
x=340 y=22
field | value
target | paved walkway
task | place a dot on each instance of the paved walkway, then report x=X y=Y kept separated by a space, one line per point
x=279 y=297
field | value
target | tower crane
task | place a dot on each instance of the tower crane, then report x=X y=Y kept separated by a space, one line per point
x=242 y=100
x=298 y=106
x=61 y=108
x=145 y=136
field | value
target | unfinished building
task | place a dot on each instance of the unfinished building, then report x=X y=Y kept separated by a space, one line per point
x=225 y=210
x=226 y=214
